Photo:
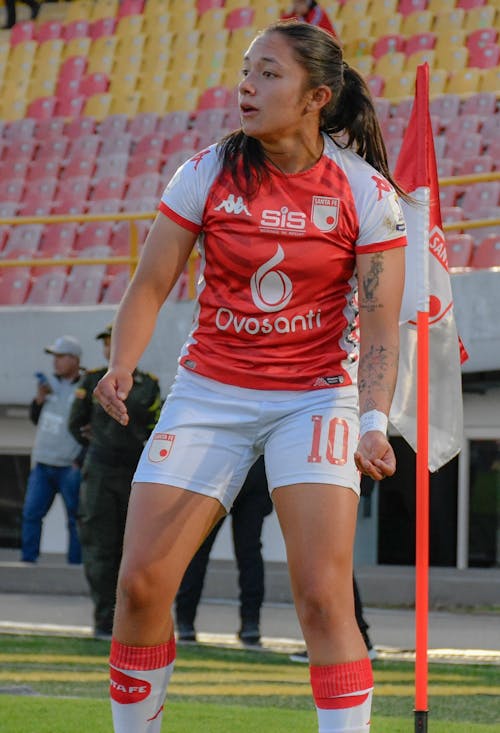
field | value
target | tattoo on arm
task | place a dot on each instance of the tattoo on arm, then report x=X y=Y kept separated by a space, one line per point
x=371 y=282
x=375 y=376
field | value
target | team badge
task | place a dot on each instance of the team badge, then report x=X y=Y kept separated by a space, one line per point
x=325 y=212
x=161 y=447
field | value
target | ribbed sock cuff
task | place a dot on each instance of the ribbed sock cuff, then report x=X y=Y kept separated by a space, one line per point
x=341 y=679
x=123 y=656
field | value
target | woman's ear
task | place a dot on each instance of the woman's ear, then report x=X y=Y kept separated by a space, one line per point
x=319 y=98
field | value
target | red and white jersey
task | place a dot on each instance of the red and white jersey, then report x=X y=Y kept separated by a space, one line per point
x=277 y=295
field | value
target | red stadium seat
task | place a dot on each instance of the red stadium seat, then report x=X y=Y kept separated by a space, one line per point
x=393 y=128
x=54 y=148
x=58 y=239
x=96 y=83
x=14 y=169
x=218 y=96
x=390 y=43
x=102 y=27
x=48 y=287
x=463 y=123
x=463 y=145
x=142 y=124
x=485 y=57
x=376 y=84
x=445 y=167
x=111 y=187
x=116 y=287
x=203 y=5
x=130 y=7
x=469 y=4
x=38 y=197
x=140 y=204
x=406 y=7
x=420 y=42
x=22 y=31
x=452 y=214
x=72 y=195
x=79 y=164
x=71 y=106
x=483 y=104
x=85 y=144
x=114 y=166
x=116 y=145
x=476 y=164
x=76 y=29
x=84 y=286
x=445 y=106
x=174 y=122
x=480 y=196
x=22 y=151
x=144 y=164
x=73 y=68
x=448 y=195
x=23 y=129
x=104 y=206
x=50 y=129
x=487 y=252
x=459 y=249
x=93 y=234
x=48 y=31
x=23 y=239
x=480 y=37
x=239 y=18
x=11 y=189
x=182 y=141
x=150 y=144
x=145 y=184
x=113 y=125
x=14 y=285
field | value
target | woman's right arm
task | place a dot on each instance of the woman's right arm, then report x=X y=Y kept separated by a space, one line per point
x=163 y=258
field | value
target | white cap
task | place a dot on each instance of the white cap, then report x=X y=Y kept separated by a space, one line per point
x=64 y=345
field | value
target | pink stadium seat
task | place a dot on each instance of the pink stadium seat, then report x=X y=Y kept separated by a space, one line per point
x=445 y=106
x=476 y=164
x=174 y=122
x=116 y=287
x=393 y=128
x=72 y=195
x=111 y=187
x=239 y=18
x=58 y=239
x=93 y=234
x=23 y=129
x=23 y=239
x=445 y=167
x=182 y=141
x=79 y=164
x=487 y=252
x=376 y=84
x=104 y=206
x=469 y=4
x=54 y=148
x=20 y=150
x=113 y=125
x=114 y=165
x=14 y=169
x=485 y=213
x=102 y=27
x=420 y=42
x=448 y=195
x=150 y=144
x=452 y=214
x=71 y=106
x=390 y=43
x=95 y=83
x=383 y=108
x=130 y=7
x=493 y=149
x=50 y=129
x=209 y=121
x=140 y=204
x=485 y=57
x=459 y=249
x=483 y=104
x=14 y=285
x=406 y=7
x=480 y=196
x=463 y=145
x=174 y=161
x=463 y=123
x=48 y=287
x=144 y=164
x=86 y=144
x=49 y=31
x=11 y=189
x=83 y=286
x=116 y=145
x=203 y=5
x=24 y=30
x=38 y=197
x=73 y=68
x=145 y=184
x=218 y=96
x=76 y=29
x=142 y=124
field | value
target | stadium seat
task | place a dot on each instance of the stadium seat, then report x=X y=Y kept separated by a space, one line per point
x=479 y=17
x=43 y=168
x=58 y=239
x=393 y=128
x=102 y=27
x=363 y=64
x=14 y=285
x=130 y=7
x=463 y=144
x=383 y=109
x=389 y=64
x=116 y=287
x=445 y=167
x=485 y=57
x=464 y=81
x=420 y=42
x=78 y=10
x=110 y=187
x=480 y=37
x=468 y=4
x=476 y=164
x=452 y=214
x=459 y=249
x=156 y=103
x=419 y=22
x=48 y=287
x=93 y=234
x=22 y=31
x=19 y=130
x=407 y=7
x=452 y=59
x=104 y=206
x=104 y=9
x=114 y=165
x=445 y=21
x=95 y=83
x=376 y=84
x=38 y=197
x=120 y=144
x=51 y=129
x=129 y=25
x=145 y=184
x=426 y=55
x=480 y=196
x=490 y=80
x=445 y=106
x=448 y=195
x=218 y=96
x=400 y=85
x=483 y=104
x=11 y=189
x=113 y=125
x=71 y=195
x=83 y=286
x=98 y=106
x=76 y=29
x=23 y=239
x=142 y=124
x=85 y=144
x=188 y=140
x=49 y=30
x=149 y=144
x=141 y=204
x=463 y=123
x=242 y=17
x=211 y=20
x=490 y=129
x=128 y=104
x=487 y=252
x=174 y=161
x=173 y=122
x=102 y=55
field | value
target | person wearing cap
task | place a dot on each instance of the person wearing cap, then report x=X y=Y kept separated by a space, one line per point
x=112 y=454
x=55 y=454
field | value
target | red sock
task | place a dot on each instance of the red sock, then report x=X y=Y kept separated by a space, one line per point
x=139 y=676
x=343 y=696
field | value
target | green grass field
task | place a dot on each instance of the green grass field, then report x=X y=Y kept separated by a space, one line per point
x=56 y=685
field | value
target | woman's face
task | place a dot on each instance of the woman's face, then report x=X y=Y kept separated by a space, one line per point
x=271 y=93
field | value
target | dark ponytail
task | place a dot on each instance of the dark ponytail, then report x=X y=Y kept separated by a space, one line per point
x=349 y=118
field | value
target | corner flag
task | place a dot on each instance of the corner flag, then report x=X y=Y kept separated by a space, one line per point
x=427 y=290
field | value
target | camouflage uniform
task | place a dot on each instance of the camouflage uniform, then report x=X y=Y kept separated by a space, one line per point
x=112 y=455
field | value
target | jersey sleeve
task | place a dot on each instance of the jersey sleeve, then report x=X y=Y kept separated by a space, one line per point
x=381 y=219
x=184 y=198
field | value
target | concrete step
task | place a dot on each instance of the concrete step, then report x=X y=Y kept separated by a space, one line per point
x=380 y=585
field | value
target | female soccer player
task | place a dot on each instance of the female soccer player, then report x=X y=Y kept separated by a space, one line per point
x=289 y=223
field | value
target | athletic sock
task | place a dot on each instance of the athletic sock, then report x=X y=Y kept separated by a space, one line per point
x=139 y=676
x=343 y=696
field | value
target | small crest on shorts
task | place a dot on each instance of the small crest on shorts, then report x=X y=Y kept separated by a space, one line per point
x=325 y=212
x=161 y=447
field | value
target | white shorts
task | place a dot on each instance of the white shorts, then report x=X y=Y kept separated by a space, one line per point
x=209 y=434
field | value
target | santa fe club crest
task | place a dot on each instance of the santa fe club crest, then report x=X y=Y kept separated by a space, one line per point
x=325 y=213
x=160 y=447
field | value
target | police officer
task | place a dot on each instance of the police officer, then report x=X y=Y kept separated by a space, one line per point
x=112 y=455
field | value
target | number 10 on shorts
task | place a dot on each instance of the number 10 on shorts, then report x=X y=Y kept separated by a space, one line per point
x=336 y=440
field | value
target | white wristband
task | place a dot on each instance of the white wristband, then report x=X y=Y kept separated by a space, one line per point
x=373 y=420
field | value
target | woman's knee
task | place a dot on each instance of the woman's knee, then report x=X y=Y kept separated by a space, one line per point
x=139 y=588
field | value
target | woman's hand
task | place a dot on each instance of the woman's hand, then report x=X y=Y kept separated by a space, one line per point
x=112 y=391
x=375 y=456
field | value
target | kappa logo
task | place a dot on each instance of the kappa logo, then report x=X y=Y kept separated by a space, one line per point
x=233 y=205
x=125 y=689
x=161 y=447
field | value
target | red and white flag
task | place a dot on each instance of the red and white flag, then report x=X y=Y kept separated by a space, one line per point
x=427 y=290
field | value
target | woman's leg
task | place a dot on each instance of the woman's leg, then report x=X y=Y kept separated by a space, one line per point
x=318 y=523
x=165 y=526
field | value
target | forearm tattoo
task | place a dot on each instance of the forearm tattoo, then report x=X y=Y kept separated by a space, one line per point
x=377 y=374
x=371 y=281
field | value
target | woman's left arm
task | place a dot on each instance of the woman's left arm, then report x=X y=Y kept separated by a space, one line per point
x=380 y=284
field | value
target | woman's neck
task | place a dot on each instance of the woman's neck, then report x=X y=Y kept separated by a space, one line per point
x=290 y=158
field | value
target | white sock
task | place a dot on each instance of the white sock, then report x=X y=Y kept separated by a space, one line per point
x=139 y=676
x=343 y=696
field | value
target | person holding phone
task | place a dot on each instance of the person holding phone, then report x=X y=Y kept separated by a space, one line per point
x=55 y=455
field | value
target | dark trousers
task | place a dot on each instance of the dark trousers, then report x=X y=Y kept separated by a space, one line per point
x=247 y=517
x=104 y=496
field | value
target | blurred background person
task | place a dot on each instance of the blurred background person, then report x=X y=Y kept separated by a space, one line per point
x=55 y=455
x=250 y=508
x=112 y=454
x=309 y=11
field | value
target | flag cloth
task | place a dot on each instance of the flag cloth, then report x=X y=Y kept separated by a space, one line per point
x=428 y=290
